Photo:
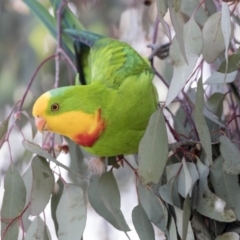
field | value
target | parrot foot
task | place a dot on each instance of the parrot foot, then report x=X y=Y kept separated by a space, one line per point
x=96 y=165
x=159 y=50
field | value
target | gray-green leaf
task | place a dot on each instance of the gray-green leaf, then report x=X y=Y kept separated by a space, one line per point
x=231 y=156
x=71 y=213
x=42 y=185
x=142 y=223
x=153 y=149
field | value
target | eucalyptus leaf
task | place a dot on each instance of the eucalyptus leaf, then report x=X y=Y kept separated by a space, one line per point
x=199 y=227
x=180 y=224
x=226 y=186
x=208 y=204
x=220 y=78
x=153 y=149
x=169 y=193
x=213 y=41
x=178 y=27
x=187 y=178
x=162 y=7
x=228 y=236
x=200 y=122
x=10 y=232
x=37 y=230
x=231 y=156
x=4 y=128
x=188 y=8
x=226 y=28
x=172 y=230
x=233 y=64
x=193 y=45
x=42 y=185
x=153 y=206
x=110 y=195
x=35 y=148
x=55 y=201
x=142 y=223
x=96 y=201
x=71 y=213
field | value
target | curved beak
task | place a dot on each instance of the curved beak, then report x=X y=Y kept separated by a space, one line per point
x=41 y=124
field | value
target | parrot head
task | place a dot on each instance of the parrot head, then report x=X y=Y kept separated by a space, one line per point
x=59 y=111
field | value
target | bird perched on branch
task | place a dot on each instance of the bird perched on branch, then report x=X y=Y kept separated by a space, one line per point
x=109 y=112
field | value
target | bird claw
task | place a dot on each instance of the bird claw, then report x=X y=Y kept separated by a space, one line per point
x=159 y=50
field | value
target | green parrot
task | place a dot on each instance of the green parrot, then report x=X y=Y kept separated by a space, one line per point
x=108 y=114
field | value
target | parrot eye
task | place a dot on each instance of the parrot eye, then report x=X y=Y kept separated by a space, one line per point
x=55 y=107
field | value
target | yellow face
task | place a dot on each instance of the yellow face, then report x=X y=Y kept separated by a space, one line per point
x=50 y=117
x=39 y=114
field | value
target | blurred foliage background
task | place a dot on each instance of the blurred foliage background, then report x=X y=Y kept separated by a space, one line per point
x=24 y=42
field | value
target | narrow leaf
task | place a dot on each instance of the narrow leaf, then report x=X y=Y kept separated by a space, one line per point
x=10 y=232
x=213 y=41
x=220 y=78
x=153 y=149
x=55 y=201
x=42 y=185
x=231 y=156
x=182 y=70
x=110 y=195
x=35 y=148
x=71 y=213
x=233 y=63
x=200 y=122
x=153 y=206
x=142 y=224
x=180 y=225
x=226 y=28
x=162 y=7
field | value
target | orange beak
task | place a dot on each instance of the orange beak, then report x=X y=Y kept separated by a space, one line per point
x=41 y=124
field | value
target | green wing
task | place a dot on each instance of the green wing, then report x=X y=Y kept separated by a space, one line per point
x=108 y=60
x=112 y=61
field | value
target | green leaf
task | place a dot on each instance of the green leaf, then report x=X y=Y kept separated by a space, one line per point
x=221 y=78
x=35 y=148
x=200 y=122
x=12 y=231
x=71 y=213
x=228 y=236
x=172 y=230
x=226 y=27
x=208 y=204
x=182 y=70
x=37 y=230
x=181 y=225
x=55 y=201
x=178 y=27
x=3 y=129
x=13 y=202
x=153 y=149
x=231 y=156
x=188 y=9
x=213 y=41
x=187 y=178
x=142 y=224
x=162 y=7
x=186 y=218
x=98 y=204
x=226 y=186
x=153 y=206
x=233 y=63
x=169 y=193
x=42 y=185
x=215 y=103
x=110 y=195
